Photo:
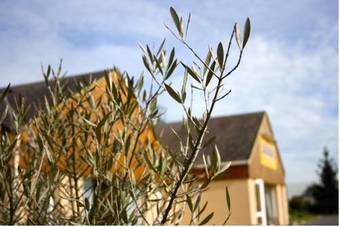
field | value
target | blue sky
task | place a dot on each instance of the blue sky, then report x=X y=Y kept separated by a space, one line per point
x=289 y=69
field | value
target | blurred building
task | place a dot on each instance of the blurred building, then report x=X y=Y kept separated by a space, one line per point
x=256 y=177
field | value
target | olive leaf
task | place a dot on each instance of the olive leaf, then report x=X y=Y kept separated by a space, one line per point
x=171 y=57
x=238 y=35
x=210 y=73
x=173 y=93
x=227 y=198
x=171 y=69
x=220 y=55
x=192 y=73
x=207 y=62
x=176 y=20
x=207 y=219
x=146 y=64
x=184 y=84
x=246 y=32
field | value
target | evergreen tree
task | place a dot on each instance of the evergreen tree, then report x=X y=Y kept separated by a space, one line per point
x=325 y=192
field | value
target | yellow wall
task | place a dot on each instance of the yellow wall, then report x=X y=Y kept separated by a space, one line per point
x=216 y=197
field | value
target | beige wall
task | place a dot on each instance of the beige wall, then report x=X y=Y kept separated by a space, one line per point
x=282 y=204
x=243 y=203
x=216 y=197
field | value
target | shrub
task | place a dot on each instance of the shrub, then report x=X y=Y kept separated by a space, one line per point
x=91 y=156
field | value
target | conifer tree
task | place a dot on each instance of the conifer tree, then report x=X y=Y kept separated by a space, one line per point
x=325 y=192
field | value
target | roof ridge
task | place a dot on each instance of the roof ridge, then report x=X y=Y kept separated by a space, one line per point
x=67 y=77
x=260 y=112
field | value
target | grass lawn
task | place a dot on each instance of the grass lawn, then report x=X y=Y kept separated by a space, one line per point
x=300 y=217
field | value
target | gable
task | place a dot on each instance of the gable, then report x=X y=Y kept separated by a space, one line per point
x=265 y=161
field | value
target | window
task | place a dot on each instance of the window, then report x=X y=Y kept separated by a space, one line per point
x=271 y=205
x=88 y=192
x=260 y=202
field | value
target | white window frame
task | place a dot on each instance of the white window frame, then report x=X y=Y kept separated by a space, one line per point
x=262 y=214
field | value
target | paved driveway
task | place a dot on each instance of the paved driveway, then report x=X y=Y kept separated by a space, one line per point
x=324 y=220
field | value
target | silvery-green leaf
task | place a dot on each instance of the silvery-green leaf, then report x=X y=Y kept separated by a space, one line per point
x=196 y=122
x=171 y=57
x=149 y=53
x=158 y=64
x=100 y=125
x=148 y=162
x=173 y=93
x=212 y=53
x=246 y=32
x=190 y=204
x=202 y=210
x=163 y=60
x=220 y=54
x=222 y=170
x=216 y=158
x=187 y=27
x=238 y=35
x=48 y=71
x=207 y=62
x=160 y=47
x=206 y=167
x=89 y=122
x=140 y=82
x=197 y=202
x=146 y=63
x=184 y=84
x=153 y=104
x=176 y=20
x=171 y=69
x=210 y=73
x=160 y=164
x=228 y=198
x=207 y=219
x=191 y=72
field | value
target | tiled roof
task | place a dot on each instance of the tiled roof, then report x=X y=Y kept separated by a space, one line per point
x=235 y=135
x=34 y=94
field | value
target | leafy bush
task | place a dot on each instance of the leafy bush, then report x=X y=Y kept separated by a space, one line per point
x=91 y=156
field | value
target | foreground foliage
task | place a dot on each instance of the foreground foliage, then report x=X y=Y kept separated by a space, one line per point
x=94 y=159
